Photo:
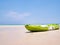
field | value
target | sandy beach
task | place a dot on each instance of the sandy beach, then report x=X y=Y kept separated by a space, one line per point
x=18 y=35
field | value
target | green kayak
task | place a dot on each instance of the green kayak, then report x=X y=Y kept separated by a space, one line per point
x=37 y=28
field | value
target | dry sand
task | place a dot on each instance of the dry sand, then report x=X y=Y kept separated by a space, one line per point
x=18 y=35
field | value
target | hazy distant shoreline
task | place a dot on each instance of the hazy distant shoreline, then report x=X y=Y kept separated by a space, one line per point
x=11 y=25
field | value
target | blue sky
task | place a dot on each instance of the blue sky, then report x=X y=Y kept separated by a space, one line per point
x=29 y=11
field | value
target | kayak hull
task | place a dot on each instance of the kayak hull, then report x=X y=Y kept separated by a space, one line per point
x=35 y=28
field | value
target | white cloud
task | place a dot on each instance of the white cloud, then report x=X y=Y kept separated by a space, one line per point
x=16 y=16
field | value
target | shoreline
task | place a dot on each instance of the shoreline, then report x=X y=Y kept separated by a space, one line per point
x=10 y=25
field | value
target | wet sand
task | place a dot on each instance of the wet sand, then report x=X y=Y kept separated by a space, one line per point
x=18 y=35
